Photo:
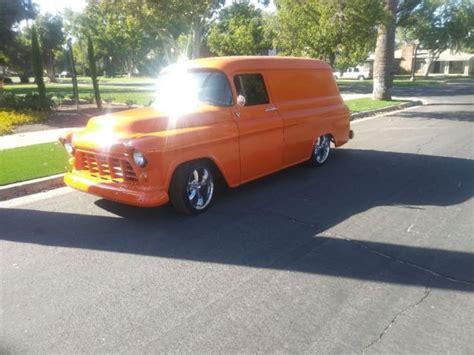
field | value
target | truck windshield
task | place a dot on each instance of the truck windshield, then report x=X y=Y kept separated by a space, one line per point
x=178 y=90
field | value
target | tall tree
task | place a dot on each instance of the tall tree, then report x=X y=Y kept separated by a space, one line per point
x=92 y=68
x=239 y=30
x=328 y=29
x=37 y=64
x=72 y=66
x=384 y=54
x=15 y=48
x=194 y=16
x=50 y=31
x=200 y=12
x=442 y=25
x=11 y=13
x=78 y=26
x=17 y=55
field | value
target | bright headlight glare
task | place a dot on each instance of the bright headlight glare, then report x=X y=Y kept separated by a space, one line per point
x=69 y=147
x=139 y=159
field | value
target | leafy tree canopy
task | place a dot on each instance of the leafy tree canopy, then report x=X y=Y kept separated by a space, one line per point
x=334 y=30
x=239 y=30
x=12 y=12
x=50 y=31
x=14 y=47
x=440 y=25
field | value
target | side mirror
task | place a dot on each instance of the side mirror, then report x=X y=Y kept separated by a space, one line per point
x=241 y=100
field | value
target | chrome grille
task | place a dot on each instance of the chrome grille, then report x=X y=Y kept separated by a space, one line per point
x=107 y=167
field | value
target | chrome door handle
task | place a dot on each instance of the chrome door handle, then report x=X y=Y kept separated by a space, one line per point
x=271 y=109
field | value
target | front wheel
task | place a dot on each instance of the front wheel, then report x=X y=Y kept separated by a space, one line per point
x=192 y=188
x=321 y=150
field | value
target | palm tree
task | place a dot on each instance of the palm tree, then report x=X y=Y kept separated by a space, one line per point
x=384 y=54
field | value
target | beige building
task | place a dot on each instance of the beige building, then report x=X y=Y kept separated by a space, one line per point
x=448 y=63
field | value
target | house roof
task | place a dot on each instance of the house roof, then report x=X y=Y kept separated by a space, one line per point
x=448 y=55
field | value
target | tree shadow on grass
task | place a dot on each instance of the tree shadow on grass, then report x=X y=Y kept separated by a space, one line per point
x=278 y=222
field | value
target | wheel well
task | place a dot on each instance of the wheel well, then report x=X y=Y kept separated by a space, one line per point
x=331 y=137
x=210 y=162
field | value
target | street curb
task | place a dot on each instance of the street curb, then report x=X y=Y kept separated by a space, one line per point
x=24 y=188
x=404 y=105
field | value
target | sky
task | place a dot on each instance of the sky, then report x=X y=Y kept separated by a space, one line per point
x=55 y=6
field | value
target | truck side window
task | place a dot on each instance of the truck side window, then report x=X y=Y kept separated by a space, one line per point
x=252 y=87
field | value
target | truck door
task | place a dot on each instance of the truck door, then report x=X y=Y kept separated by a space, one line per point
x=260 y=128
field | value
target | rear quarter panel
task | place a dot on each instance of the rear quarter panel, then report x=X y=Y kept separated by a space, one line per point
x=310 y=104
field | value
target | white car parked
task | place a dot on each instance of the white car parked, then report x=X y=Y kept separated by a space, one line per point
x=358 y=73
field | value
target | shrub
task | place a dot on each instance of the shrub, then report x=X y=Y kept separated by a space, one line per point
x=6 y=80
x=88 y=99
x=29 y=101
x=58 y=99
x=130 y=102
x=10 y=118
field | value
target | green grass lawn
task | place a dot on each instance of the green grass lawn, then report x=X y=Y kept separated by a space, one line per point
x=367 y=104
x=31 y=162
x=121 y=94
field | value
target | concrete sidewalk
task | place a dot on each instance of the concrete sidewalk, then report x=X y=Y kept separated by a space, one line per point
x=30 y=138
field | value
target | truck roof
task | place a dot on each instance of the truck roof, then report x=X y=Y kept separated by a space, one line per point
x=238 y=63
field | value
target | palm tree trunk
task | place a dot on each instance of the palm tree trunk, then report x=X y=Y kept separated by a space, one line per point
x=384 y=55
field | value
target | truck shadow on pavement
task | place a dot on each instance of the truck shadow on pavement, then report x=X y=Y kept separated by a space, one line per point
x=284 y=222
x=463 y=116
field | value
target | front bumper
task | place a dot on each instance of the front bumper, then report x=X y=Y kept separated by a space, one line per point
x=128 y=194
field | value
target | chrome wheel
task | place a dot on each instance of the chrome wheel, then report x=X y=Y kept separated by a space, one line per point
x=200 y=188
x=321 y=149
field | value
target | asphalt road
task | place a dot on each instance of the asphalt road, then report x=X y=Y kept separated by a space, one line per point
x=372 y=253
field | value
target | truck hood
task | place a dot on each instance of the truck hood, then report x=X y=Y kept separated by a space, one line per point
x=121 y=127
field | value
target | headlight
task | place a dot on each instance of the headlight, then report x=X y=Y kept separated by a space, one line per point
x=69 y=147
x=139 y=159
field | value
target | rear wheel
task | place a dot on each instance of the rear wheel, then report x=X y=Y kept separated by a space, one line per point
x=192 y=188
x=321 y=150
x=361 y=77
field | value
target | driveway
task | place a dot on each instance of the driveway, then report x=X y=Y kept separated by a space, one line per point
x=372 y=253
